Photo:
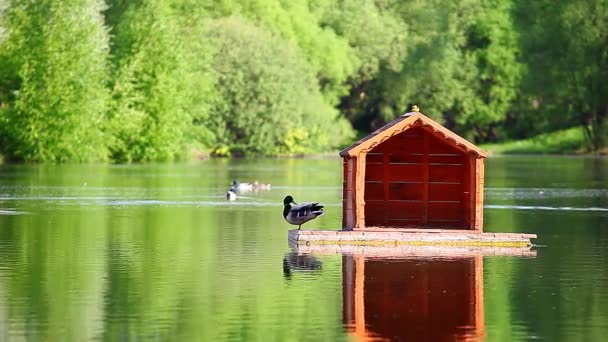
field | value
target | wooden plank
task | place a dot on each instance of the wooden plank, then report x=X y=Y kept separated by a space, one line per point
x=425 y=236
x=375 y=212
x=360 y=191
x=447 y=159
x=344 y=190
x=474 y=192
x=445 y=192
x=348 y=219
x=445 y=173
x=413 y=132
x=405 y=210
x=425 y=179
x=374 y=172
x=399 y=231
x=414 y=230
x=376 y=218
x=467 y=193
x=385 y=184
x=401 y=143
x=479 y=188
x=374 y=158
x=446 y=224
x=445 y=211
x=403 y=222
x=406 y=191
x=405 y=158
x=374 y=190
x=441 y=146
x=405 y=172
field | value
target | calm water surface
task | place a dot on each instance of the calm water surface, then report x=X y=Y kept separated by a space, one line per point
x=155 y=252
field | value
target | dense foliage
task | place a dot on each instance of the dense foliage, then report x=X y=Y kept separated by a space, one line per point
x=148 y=117
x=86 y=80
x=252 y=63
x=54 y=94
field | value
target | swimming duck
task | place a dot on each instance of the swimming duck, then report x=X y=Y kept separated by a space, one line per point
x=231 y=195
x=241 y=187
x=261 y=186
x=298 y=214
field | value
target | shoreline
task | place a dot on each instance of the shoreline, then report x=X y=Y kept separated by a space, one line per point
x=325 y=155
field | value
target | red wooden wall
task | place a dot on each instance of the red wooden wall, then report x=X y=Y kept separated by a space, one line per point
x=417 y=179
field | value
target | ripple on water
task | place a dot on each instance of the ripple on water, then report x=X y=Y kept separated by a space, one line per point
x=12 y=212
x=543 y=193
x=541 y=207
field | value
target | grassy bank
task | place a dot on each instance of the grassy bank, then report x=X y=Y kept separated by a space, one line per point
x=569 y=141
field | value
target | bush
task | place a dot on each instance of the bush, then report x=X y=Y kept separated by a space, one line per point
x=268 y=98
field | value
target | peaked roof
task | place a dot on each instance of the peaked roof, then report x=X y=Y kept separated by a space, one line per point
x=405 y=122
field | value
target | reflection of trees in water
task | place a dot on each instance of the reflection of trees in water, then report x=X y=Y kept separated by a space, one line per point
x=599 y=174
x=52 y=289
x=294 y=262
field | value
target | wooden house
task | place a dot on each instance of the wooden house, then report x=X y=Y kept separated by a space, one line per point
x=413 y=173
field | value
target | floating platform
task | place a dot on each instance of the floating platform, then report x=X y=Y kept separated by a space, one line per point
x=387 y=237
x=411 y=251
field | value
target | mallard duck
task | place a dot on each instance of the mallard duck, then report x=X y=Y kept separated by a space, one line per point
x=298 y=214
x=241 y=187
x=261 y=186
x=231 y=195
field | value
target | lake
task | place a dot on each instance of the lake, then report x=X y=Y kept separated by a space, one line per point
x=156 y=252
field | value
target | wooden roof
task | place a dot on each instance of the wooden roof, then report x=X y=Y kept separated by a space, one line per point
x=405 y=122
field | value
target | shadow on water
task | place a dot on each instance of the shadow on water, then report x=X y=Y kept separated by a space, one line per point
x=294 y=262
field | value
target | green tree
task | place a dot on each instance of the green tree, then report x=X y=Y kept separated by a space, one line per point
x=197 y=54
x=378 y=37
x=458 y=61
x=492 y=50
x=376 y=34
x=268 y=98
x=9 y=80
x=148 y=118
x=433 y=71
x=53 y=89
x=565 y=48
x=329 y=55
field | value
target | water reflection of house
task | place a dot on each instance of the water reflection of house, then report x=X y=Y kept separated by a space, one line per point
x=413 y=299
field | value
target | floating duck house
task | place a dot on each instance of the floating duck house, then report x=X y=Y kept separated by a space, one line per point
x=413 y=173
x=412 y=182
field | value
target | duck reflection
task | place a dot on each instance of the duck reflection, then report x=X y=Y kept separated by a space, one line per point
x=294 y=262
x=413 y=299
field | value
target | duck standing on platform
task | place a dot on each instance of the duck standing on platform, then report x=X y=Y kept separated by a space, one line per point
x=298 y=214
